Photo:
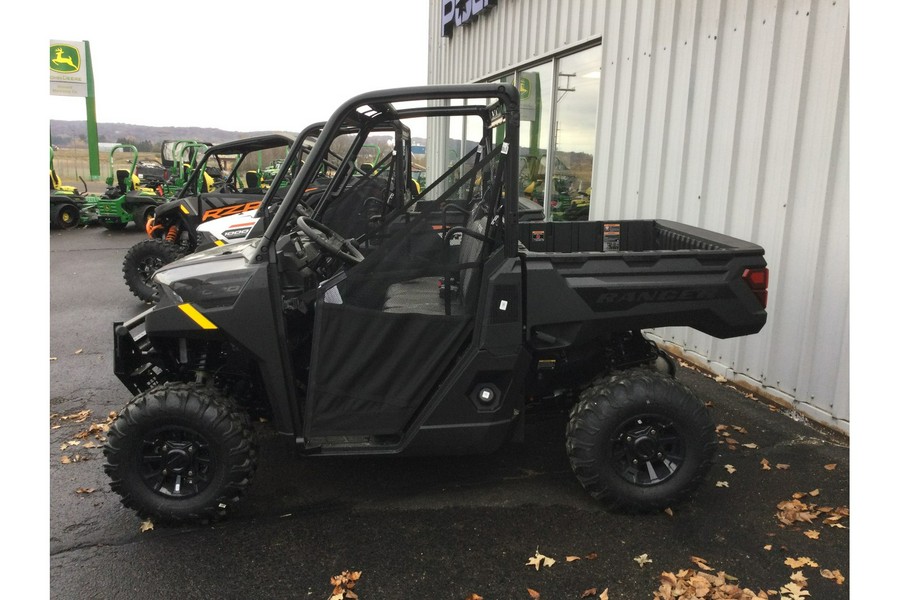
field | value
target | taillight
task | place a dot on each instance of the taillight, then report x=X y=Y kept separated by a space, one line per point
x=758 y=280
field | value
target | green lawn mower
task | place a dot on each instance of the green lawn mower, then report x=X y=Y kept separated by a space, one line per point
x=68 y=206
x=126 y=200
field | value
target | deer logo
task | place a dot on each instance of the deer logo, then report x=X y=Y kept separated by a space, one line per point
x=64 y=59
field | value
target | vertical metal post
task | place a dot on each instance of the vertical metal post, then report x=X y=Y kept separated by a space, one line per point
x=92 y=138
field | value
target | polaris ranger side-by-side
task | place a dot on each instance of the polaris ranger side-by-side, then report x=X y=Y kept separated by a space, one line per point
x=425 y=323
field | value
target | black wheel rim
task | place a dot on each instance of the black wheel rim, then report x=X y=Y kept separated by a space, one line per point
x=647 y=449
x=176 y=462
x=147 y=267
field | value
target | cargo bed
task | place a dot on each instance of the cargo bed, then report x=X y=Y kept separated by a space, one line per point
x=638 y=274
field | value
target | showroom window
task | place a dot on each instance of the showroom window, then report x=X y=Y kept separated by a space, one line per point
x=559 y=126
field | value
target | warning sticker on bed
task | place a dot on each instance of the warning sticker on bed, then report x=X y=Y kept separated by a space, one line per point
x=611 y=236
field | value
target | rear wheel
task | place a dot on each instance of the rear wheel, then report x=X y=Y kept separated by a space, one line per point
x=143 y=216
x=142 y=260
x=640 y=441
x=66 y=217
x=180 y=452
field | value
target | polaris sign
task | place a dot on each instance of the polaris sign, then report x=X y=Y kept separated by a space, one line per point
x=456 y=13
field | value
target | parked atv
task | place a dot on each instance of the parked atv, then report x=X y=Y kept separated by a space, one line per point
x=69 y=206
x=372 y=327
x=217 y=187
x=126 y=200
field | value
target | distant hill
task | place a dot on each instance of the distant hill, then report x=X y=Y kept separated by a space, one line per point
x=69 y=133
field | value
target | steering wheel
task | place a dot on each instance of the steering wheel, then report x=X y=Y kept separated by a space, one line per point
x=228 y=187
x=330 y=241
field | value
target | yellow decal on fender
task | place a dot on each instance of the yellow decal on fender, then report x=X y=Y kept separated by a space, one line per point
x=195 y=315
x=220 y=243
x=184 y=209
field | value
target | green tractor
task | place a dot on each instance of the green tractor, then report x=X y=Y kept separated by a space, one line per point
x=179 y=158
x=68 y=206
x=126 y=200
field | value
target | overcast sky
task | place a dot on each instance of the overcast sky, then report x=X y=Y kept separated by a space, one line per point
x=248 y=66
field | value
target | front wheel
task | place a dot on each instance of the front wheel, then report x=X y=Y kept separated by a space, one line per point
x=66 y=217
x=640 y=441
x=142 y=260
x=180 y=452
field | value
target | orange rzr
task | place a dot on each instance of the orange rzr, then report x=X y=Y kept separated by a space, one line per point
x=224 y=182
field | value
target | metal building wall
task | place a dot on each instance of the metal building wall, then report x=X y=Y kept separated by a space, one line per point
x=727 y=114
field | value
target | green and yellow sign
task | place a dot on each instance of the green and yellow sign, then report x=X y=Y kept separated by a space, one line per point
x=65 y=58
x=68 y=77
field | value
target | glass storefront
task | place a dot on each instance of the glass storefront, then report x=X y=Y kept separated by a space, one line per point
x=559 y=132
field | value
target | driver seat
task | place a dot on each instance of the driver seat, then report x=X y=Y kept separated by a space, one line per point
x=426 y=295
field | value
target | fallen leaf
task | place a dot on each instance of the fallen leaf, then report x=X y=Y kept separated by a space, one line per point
x=833 y=575
x=793 y=591
x=739 y=428
x=669 y=512
x=604 y=595
x=52 y=358
x=533 y=593
x=539 y=560
x=721 y=484
x=146 y=526
x=730 y=468
x=65 y=459
x=814 y=493
x=474 y=597
x=765 y=465
x=782 y=466
x=720 y=379
x=796 y=563
x=750 y=445
x=589 y=592
x=811 y=534
x=767 y=547
x=79 y=351
x=831 y=467
x=572 y=558
x=643 y=559
x=591 y=556
x=84 y=490
x=701 y=562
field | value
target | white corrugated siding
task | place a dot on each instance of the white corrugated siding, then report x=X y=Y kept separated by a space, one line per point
x=731 y=115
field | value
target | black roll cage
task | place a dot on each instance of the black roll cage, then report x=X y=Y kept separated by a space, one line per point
x=380 y=107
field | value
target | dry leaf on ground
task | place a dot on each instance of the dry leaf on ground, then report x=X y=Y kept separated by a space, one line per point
x=643 y=559
x=834 y=575
x=533 y=593
x=539 y=560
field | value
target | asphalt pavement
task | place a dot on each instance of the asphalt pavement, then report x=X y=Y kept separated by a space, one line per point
x=775 y=504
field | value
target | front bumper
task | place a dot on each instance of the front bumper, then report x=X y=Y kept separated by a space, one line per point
x=133 y=355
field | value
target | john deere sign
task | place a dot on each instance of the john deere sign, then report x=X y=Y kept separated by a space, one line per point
x=68 y=77
x=71 y=75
